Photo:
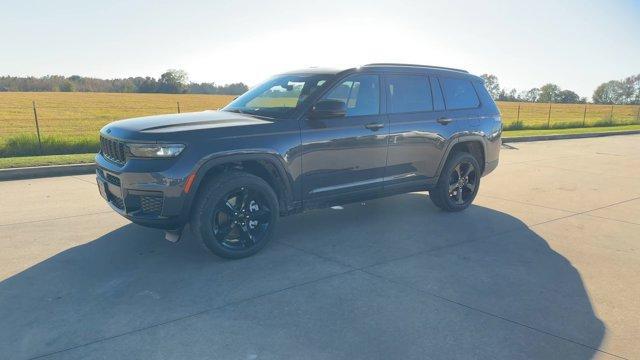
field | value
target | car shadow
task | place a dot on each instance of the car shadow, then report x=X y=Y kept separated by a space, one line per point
x=131 y=279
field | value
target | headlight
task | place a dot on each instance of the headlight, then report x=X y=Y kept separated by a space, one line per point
x=155 y=150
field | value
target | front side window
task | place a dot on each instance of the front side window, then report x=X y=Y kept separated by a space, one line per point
x=361 y=94
x=409 y=93
x=279 y=96
x=459 y=94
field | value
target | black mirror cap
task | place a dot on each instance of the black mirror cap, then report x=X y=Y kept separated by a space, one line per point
x=329 y=108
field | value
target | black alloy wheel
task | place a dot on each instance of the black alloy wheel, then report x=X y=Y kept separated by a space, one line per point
x=241 y=219
x=458 y=183
x=235 y=214
x=462 y=183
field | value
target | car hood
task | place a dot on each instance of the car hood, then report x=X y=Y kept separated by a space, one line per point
x=182 y=122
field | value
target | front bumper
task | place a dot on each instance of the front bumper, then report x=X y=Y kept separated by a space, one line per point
x=154 y=198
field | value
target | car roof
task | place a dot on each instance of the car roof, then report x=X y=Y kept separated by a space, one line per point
x=384 y=67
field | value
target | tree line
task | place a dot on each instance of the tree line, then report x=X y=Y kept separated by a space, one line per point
x=619 y=92
x=170 y=82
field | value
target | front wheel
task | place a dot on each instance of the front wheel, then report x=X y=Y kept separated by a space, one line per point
x=458 y=183
x=235 y=214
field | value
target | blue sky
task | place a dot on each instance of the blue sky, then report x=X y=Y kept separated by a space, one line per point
x=576 y=44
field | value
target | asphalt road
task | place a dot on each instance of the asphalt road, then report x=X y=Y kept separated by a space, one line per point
x=545 y=265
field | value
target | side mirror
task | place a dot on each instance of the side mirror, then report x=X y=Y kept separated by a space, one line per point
x=329 y=108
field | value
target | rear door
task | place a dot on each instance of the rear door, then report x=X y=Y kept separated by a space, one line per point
x=419 y=129
x=346 y=155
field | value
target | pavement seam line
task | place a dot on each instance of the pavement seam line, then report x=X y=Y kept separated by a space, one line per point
x=526 y=203
x=606 y=218
x=586 y=212
x=83 y=180
x=193 y=315
x=603 y=174
x=406 y=285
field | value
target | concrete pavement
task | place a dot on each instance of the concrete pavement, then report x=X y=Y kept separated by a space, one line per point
x=544 y=265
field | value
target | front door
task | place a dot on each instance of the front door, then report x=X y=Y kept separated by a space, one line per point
x=346 y=155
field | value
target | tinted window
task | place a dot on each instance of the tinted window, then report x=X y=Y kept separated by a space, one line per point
x=361 y=93
x=438 y=100
x=459 y=94
x=279 y=96
x=409 y=93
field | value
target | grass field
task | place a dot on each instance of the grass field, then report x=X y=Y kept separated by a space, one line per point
x=69 y=122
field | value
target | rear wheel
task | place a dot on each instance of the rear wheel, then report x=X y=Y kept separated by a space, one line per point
x=235 y=214
x=458 y=183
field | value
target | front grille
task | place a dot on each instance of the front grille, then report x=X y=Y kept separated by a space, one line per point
x=151 y=205
x=113 y=150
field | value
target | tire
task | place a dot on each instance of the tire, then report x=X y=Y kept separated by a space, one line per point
x=458 y=183
x=235 y=214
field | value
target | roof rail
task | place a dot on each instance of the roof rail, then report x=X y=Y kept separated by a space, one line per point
x=417 y=65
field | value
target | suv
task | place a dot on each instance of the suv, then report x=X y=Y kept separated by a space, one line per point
x=302 y=140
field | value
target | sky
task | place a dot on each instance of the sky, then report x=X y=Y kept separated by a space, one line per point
x=575 y=44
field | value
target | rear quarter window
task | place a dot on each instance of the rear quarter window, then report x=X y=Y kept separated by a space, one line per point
x=459 y=94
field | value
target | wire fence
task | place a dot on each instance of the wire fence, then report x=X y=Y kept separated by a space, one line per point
x=46 y=119
x=517 y=115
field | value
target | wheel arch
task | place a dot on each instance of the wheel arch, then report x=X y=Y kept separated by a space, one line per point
x=268 y=166
x=472 y=144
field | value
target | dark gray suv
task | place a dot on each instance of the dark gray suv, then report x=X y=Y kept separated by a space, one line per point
x=302 y=140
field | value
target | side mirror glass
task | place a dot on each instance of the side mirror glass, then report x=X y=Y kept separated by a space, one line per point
x=329 y=108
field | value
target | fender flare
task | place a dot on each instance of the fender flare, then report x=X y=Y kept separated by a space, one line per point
x=271 y=157
x=463 y=138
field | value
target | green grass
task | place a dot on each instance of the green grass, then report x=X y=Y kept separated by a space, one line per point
x=587 y=130
x=26 y=145
x=28 y=161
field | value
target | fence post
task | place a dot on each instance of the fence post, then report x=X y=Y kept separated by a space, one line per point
x=638 y=116
x=178 y=102
x=518 y=116
x=611 y=114
x=35 y=115
x=549 y=117
x=584 y=116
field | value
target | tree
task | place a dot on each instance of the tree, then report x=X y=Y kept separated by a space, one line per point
x=508 y=95
x=631 y=90
x=608 y=93
x=492 y=85
x=626 y=91
x=568 y=97
x=67 y=86
x=531 y=95
x=549 y=93
x=173 y=81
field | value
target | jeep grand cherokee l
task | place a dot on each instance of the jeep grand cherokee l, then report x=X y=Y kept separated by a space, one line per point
x=302 y=140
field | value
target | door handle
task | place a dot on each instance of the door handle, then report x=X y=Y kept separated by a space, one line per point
x=444 y=121
x=374 y=126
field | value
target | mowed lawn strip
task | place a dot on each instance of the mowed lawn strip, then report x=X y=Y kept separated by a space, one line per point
x=589 y=130
x=30 y=161
x=27 y=161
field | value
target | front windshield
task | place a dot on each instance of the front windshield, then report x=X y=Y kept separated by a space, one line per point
x=279 y=96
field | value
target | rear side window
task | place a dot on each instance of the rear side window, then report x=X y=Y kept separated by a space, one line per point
x=408 y=93
x=459 y=94
x=361 y=94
